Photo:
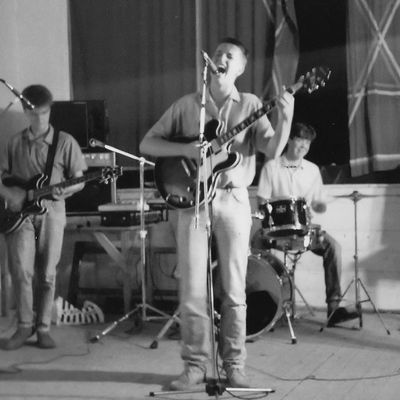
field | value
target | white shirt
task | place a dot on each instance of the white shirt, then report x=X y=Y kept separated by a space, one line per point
x=278 y=179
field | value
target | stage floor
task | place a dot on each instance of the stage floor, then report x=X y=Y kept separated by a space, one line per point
x=343 y=363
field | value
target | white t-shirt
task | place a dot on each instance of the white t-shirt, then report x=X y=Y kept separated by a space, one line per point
x=278 y=179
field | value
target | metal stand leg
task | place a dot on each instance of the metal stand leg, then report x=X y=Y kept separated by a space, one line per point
x=309 y=308
x=288 y=309
x=143 y=306
x=164 y=330
x=290 y=270
x=355 y=197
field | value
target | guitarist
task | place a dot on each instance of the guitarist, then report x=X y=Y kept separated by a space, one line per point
x=35 y=247
x=231 y=214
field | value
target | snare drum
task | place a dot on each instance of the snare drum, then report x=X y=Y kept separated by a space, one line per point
x=261 y=241
x=285 y=217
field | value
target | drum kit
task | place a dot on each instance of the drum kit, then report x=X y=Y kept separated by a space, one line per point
x=286 y=226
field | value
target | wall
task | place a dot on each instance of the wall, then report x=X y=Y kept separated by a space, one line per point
x=34 y=48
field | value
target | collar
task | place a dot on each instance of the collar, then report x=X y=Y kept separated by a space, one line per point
x=234 y=95
x=284 y=162
x=45 y=137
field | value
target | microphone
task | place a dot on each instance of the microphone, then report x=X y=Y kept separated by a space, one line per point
x=96 y=143
x=213 y=67
x=23 y=99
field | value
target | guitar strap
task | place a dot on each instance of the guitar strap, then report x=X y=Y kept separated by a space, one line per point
x=50 y=156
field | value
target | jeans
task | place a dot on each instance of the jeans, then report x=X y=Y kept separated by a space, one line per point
x=328 y=248
x=34 y=251
x=231 y=223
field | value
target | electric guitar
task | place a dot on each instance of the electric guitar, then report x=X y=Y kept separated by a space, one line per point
x=36 y=191
x=175 y=177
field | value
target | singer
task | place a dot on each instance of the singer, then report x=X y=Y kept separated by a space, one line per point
x=34 y=248
x=231 y=212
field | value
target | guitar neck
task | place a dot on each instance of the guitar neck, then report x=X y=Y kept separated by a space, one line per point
x=47 y=190
x=265 y=109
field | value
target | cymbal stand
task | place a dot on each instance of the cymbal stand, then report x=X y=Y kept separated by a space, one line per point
x=143 y=306
x=356 y=280
x=214 y=386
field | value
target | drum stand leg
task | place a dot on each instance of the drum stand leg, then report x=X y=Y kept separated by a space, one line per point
x=309 y=308
x=288 y=306
x=290 y=271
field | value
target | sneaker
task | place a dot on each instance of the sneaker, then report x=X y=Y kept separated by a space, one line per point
x=19 y=338
x=341 y=314
x=190 y=377
x=236 y=377
x=45 y=341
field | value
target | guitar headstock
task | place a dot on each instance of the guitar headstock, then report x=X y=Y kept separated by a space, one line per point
x=312 y=80
x=109 y=173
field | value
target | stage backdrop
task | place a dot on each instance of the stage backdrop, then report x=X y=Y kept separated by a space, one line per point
x=373 y=57
x=142 y=55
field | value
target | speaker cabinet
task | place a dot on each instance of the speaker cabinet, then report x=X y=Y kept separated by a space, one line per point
x=83 y=119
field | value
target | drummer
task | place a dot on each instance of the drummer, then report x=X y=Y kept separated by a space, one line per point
x=290 y=175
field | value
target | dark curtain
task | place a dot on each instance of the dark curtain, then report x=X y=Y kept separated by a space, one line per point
x=137 y=55
x=373 y=65
x=140 y=55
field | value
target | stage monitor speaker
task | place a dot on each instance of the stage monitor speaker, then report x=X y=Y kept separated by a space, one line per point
x=83 y=119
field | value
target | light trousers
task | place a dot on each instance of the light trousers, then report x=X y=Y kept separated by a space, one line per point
x=34 y=251
x=231 y=224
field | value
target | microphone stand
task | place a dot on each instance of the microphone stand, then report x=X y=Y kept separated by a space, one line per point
x=214 y=386
x=143 y=306
x=25 y=102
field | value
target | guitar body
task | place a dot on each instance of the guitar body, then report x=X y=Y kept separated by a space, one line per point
x=176 y=177
x=37 y=190
x=10 y=220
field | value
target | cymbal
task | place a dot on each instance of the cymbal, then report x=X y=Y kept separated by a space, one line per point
x=357 y=195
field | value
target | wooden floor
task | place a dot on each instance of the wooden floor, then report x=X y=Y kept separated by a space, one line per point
x=343 y=363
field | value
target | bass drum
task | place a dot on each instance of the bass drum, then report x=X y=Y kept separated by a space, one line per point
x=268 y=286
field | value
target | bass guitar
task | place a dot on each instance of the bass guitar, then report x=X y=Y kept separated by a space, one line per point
x=36 y=191
x=175 y=177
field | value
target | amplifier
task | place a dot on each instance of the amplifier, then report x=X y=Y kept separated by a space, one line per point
x=129 y=218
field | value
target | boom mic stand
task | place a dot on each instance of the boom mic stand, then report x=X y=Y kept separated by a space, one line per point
x=214 y=387
x=356 y=197
x=143 y=306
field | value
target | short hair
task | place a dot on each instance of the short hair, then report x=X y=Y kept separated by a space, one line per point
x=303 y=131
x=38 y=96
x=237 y=43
